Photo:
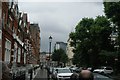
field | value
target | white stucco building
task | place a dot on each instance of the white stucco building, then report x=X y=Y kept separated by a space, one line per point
x=69 y=51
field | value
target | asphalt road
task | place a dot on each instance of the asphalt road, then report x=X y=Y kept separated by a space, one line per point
x=101 y=77
x=41 y=75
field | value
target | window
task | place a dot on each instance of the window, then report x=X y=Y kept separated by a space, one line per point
x=8 y=22
x=10 y=4
x=19 y=54
x=20 y=22
x=25 y=58
x=3 y=21
x=0 y=10
x=16 y=11
x=0 y=34
x=7 y=50
x=14 y=31
x=15 y=52
x=24 y=24
x=108 y=68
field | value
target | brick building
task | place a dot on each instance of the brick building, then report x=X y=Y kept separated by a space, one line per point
x=35 y=31
x=19 y=45
x=6 y=34
x=0 y=30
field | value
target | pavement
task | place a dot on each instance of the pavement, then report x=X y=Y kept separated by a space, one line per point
x=41 y=75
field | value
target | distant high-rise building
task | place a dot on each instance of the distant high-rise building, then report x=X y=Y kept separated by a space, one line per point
x=60 y=45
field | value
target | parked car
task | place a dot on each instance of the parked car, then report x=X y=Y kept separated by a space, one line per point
x=104 y=70
x=73 y=68
x=61 y=73
x=90 y=69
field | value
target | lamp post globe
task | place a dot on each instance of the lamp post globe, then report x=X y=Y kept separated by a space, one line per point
x=50 y=39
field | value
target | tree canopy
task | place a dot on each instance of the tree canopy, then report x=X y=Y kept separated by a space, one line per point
x=112 y=11
x=59 y=56
x=90 y=37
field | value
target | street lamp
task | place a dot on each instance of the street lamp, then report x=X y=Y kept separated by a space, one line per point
x=50 y=41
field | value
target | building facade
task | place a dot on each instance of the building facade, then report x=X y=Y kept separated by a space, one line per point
x=60 y=45
x=35 y=34
x=0 y=30
x=69 y=52
x=18 y=44
x=6 y=34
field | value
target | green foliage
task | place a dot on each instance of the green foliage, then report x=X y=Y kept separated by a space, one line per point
x=60 y=56
x=64 y=58
x=56 y=56
x=107 y=58
x=112 y=11
x=90 y=37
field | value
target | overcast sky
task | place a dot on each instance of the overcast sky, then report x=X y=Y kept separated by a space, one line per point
x=58 y=19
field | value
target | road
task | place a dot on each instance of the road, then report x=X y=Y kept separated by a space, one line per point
x=41 y=75
x=100 y=77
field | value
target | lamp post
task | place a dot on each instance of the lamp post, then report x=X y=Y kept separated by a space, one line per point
x=50 y=41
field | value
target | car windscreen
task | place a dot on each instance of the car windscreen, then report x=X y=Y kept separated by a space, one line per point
x=108 y=68
x=64 y=71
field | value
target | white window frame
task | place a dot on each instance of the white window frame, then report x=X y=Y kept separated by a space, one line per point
x=19 y=55
x=7 y=51
x=25 y=58
x=15 y=52
x=0 y=34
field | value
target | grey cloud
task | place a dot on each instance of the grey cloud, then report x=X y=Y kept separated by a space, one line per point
x=65 y=0
x=59 y=19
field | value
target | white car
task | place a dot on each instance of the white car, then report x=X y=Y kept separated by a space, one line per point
x=105 y=70
x=61 y=73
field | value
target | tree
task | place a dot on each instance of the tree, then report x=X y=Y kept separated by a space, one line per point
x=107 y=58
x=56 y=56
x=64 y=58
x=60 y=56
x=112 y=11
x=90 y=37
